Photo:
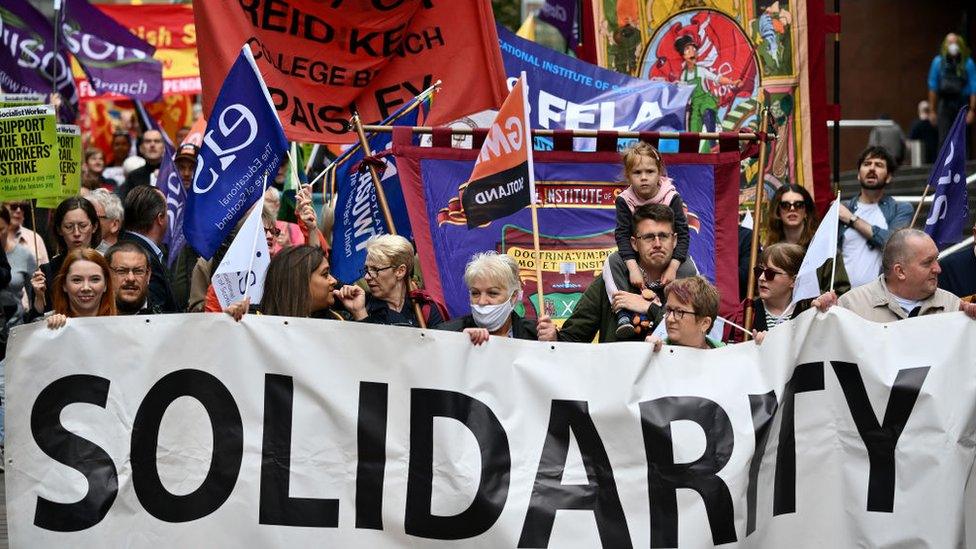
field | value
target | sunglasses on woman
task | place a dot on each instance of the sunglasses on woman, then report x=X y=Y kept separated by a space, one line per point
x=769 y=272
x=797 y=205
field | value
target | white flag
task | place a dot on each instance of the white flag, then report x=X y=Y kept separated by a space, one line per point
x=243 y=268
x=822 y=247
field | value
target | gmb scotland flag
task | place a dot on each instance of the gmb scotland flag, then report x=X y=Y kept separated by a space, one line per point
x=242 y=147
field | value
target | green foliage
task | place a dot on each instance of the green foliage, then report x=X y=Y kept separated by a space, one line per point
x=508 y=13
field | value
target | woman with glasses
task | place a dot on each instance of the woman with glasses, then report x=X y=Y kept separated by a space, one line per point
x=792 y=219
x=495 y=288
x=388 y=272
x=690 y=310
x=82 y=287
x=776 y=276
x=74 y=226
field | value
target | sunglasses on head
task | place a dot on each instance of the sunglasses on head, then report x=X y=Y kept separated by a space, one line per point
x=797 y=205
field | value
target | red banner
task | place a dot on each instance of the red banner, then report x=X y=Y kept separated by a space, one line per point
x=320 y=58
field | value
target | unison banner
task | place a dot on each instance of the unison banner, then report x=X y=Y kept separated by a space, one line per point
x=576 y=193
x=836 y=432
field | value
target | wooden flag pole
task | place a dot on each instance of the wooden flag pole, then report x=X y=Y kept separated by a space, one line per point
x=37 y=256
x=538 y=257
x=918 y=209
x=384 y=205
x=757 y=209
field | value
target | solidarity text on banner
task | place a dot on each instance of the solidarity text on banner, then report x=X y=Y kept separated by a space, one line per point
x=836 y=432
x=320 y=58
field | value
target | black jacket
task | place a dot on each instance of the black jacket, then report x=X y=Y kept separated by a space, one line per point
x=160 y=292
x=522 y=328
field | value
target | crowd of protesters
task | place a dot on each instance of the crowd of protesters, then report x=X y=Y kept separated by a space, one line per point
x=109 y=258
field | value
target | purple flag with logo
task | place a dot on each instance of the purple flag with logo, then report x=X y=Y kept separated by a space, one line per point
x=114 y=59
x=562 y=15
x=242 y=148
x=27 y=61
x=950 y=203
x=169 y=182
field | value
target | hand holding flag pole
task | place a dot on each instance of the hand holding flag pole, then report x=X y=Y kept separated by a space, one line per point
x=381 y=199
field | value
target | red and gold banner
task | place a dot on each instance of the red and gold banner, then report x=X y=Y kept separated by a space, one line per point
x=172 y=31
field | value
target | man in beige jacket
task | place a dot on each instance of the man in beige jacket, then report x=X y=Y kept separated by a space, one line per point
x=907 y=287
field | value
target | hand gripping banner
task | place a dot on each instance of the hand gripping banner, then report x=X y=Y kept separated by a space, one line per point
x=275 y=432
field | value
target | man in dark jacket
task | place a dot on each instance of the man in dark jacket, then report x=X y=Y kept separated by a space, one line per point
x=152 y=150
x=129 y=264
x=653 y=241
x=145 y=225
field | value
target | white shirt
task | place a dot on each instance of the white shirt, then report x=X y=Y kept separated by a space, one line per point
x=908 y=305
x=863 y=264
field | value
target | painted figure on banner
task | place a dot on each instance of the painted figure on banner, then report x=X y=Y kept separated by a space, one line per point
x=727 y=50
x=709 y=51
x=770 y=31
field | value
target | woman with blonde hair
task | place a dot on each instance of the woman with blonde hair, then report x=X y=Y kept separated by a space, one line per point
x=388 y=271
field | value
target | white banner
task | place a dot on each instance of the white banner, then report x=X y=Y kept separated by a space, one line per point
x=195 y=431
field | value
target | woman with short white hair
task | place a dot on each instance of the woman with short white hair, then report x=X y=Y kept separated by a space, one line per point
x=388 y=270
x=495 y=288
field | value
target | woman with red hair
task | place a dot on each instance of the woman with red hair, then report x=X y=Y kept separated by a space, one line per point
x=83 y=287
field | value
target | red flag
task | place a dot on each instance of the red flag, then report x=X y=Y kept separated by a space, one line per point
x=502 y=182
x=319 y=60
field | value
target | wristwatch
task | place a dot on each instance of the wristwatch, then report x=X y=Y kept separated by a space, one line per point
x=854 y=218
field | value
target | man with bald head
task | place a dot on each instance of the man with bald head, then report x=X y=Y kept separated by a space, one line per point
x=151 y=148
x=908 y=285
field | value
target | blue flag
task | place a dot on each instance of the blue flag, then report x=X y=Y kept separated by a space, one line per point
x=242 y=148
x=358 y=216
x=950 y=203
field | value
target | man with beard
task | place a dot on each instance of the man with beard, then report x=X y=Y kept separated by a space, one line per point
x=868 y=219
x=653 y=241
x=129 y=264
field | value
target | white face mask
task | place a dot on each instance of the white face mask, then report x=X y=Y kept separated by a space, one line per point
x=953 y=49
x=491 y=317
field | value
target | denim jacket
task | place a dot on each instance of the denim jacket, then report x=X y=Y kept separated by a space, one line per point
x=897 y=214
